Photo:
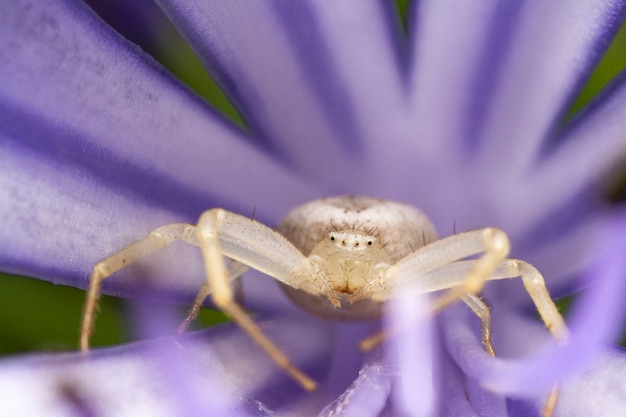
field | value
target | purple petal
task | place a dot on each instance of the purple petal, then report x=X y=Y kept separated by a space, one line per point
x=302 y=73
x=142 y=116
x=585 y=154
x=220 y=368
x=599 y=390
x=454 y=392
x=99 y=145
x=413 y=351
x=551 y=53
x=563 y=256
x=448 y=75
x=484 y=401
x=367 y=396
x=490 y=84
x=429 y=377
x=447 y=66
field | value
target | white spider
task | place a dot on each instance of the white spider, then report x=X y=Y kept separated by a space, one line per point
x=340 y=258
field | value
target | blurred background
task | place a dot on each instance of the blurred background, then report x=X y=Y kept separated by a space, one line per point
x=39 y=316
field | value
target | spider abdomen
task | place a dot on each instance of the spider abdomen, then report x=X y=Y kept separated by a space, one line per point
x=400 y=228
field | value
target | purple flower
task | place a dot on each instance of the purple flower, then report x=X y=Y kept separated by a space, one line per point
x=464 y=119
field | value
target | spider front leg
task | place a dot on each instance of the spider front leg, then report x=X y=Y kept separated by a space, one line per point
x=438 y=266
x=221 y=233
x=453 y=275
x=413 y=270
x=493 y=243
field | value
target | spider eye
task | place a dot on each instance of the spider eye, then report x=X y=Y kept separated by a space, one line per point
x=369 y=243
x=332 y=238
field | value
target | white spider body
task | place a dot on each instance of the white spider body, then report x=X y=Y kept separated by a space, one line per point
x=340 y=258
x=351 y=241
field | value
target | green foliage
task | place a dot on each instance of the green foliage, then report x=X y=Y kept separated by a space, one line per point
x=612 y=63
x=39 y=316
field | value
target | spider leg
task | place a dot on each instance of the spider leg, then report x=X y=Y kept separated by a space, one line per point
x=218 y=228
x=452 y=274
x=157 y=239
x=235 y=270
x=437 y=267
x=536 y=287
x=496 y=247
x=481 y=309
x=219 y=234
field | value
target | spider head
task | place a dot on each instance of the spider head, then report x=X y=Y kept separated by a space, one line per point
x=350 y=246
x=349 y=260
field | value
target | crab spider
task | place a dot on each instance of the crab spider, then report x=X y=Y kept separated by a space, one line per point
x=339 y=258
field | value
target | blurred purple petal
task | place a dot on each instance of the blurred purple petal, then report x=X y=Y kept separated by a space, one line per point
x=562 y=256
x=414 y=351
x=559 y=194
x=552 y=51
x=455 y=401
x=486 y=402
x=584 y=155
x=296 y=71
x=224 y=370
x=454 y=45
x=367 y=396
x=597 y=391
x=469 y=91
